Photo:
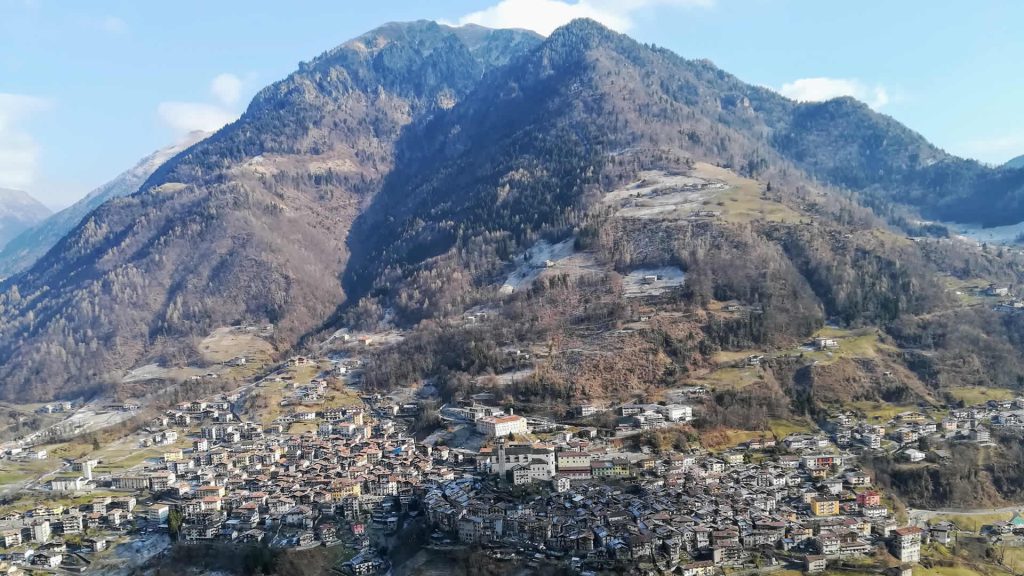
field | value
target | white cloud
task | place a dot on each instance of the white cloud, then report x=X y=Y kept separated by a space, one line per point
x=112 y=24
x=227 y=88
x=543 y=16
x=821 y=89
x=19 y=152
x=185 y=117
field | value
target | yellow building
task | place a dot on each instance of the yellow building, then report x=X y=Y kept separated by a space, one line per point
x=345 y=489
x=822 y=506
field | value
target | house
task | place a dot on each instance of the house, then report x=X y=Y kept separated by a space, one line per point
x=821 y=461
x=71 y=524
x=41 y=532
x=905 y=435
x=857 y=478
x=630 y=409
x=833 y=486
x=825 y=343
x=942 y=533
x=561 y=483
x=49 y=560
x=994 y=290
x=1017 y=523
x=906 y=544
x=827 y=544
x=198 y=532
x=586 y=410
x=704 y=568
x=815 y=563
x=825 y=506
x=10 y=538
x=157 y=513
x=869 y=498
x=85 y=466
x=366 y=563
x=912 y=455
x=327 y=532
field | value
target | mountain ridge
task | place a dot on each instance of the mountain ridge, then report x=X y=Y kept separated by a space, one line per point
x=399 y=173
x=33 y=243
x=247 y=224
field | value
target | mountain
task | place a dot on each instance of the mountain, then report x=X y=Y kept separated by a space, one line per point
x=18 y=211
x=845 y=143
x=400 y=177
x=31 y=244
x=1017 y=162
x=247 y=224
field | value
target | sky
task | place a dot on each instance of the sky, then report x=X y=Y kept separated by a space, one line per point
x=89 y=88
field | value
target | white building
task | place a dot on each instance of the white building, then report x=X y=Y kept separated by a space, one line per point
x=41 y=532
x=676 y=412
x=157 y=513
x=913 y=455
x=85 y=466
x=67 y=484
x=527 y=463
x=500 y=426
x=562 y=484
x=906 y=544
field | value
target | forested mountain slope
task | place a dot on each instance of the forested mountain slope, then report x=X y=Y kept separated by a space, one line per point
x=248 y=224
x=402 y=174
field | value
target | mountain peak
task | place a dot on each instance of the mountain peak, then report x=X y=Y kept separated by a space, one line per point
x=585 y=33
x=585 y=26
x=18 y=211
x=19 y=201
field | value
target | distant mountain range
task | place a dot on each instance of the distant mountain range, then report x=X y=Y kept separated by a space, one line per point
x=396 y=174
x=1017 y=162
x=23 y=249
x=18 y=212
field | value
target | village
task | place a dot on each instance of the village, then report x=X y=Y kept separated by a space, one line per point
x=537 y=489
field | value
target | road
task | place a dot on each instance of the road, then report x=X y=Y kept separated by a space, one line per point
x=920 y=516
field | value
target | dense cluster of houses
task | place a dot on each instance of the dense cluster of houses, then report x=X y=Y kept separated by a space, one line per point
x=994 y=414
x=902 y=433
x=574 y=496
x=696 y=512
x=38 y=538
x=243 y=482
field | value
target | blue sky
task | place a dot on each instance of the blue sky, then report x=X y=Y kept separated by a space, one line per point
x=88 y=88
